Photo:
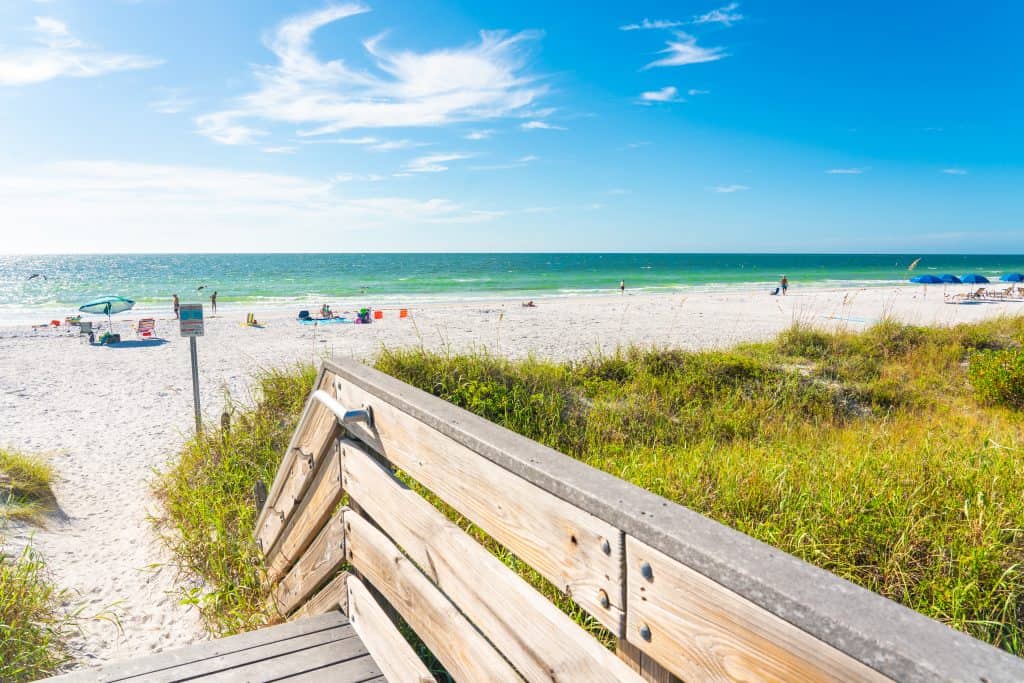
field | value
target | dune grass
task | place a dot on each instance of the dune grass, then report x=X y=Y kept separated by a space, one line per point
x=870 y=455
x=25 y=482
x=34 y=626
x=208 y=499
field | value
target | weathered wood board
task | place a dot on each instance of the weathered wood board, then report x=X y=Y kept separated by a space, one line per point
x=385 y=644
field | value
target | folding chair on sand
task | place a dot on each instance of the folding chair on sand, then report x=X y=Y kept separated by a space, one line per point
x=146 y=328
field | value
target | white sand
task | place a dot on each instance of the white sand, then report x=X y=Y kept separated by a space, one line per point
x=109 y=416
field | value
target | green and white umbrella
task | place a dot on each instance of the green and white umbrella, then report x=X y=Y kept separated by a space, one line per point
x=107 y=305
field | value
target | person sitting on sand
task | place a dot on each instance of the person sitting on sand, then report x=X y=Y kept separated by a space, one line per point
x=529 y=304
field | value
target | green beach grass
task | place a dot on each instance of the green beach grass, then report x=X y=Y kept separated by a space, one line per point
x=891 y=457
x=34 y=627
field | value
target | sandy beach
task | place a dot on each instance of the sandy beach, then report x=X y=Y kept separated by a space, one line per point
x=109 y=416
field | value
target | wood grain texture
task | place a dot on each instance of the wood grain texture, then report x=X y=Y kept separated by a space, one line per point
x=649 y=670
x=309 y=518
x=579 y=553
x=331 y=598
x=535 y=636
x=325 y=381
x=389 y=649
x=323 y=557
x=701 y=631
x=463 y=651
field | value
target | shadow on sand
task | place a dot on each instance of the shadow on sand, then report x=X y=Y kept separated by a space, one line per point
x=136 y=343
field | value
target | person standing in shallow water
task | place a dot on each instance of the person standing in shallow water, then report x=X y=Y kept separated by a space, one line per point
x=785 y=284
x=213 y=302
x=177 y=305
x=622 y=286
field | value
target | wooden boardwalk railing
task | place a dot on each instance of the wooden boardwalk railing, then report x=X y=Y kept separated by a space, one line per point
x=685 y=597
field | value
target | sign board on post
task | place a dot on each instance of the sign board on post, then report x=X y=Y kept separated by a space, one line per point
x=191 y=326
x=191 y=322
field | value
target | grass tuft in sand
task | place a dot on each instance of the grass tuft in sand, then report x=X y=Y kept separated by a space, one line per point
x=870 y=455
x=208 y=498
x=34 y=626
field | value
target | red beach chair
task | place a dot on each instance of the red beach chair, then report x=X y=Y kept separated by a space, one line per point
x=146 y=328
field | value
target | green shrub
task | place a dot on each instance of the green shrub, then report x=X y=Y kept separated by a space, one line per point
x=998 y=376
x=33 y=626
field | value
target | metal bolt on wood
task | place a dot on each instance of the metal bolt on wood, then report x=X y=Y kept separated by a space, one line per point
x=646 y=571
x=606 y=547
x=603 y=598
x=645 y=632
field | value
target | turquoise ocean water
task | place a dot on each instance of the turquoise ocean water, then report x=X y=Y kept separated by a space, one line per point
x=256 y=280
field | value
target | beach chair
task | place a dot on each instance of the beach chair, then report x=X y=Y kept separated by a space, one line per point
x=146 y=329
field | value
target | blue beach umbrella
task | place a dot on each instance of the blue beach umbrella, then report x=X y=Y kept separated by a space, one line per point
x=107 y=305
x=1013 y=277
x=950 y=279
x=926 y=280
x=974 y=279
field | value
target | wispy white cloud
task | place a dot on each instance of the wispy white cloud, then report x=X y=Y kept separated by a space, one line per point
x=479 y=134
x=726 y=15
x=393 y=145
x=954 y=171
x=282 y=149
x=223 y=127
x=541 y=125
x=693 y=92
x=434 y=163
x=358 y=177
x=59 y=206
x=528 y=158
x=667 y=94
x=518 y=163
x=845 y=171
x=648 y=24
x=172 y=101
x=684 y=50
x=729 y=189
x=57 y=53
x=481 y=81
x=635 y=145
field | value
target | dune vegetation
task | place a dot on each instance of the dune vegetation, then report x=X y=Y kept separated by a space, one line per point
x=891 y=457
x=34 y=626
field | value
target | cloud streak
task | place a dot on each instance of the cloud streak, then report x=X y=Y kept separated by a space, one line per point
x=667 y=94
x=684 y=50
x=845 y=171
x=726 y=15
x=954 y=171
x=56 y=53
x=729 y=189
x=541 y=125
x=434 y=163
x=405 y=88
x=60 y=204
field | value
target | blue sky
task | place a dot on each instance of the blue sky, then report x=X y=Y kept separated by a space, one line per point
x=179 y=125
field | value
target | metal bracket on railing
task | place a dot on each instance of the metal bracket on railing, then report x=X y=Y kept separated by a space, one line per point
x=344 y=415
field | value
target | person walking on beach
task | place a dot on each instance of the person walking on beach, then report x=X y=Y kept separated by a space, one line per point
x=622 y=286
x=785 y=284
x=177 y=305
x=213 y=302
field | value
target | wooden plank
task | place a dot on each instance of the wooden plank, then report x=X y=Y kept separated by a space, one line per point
x=323 y=557
x=333 y=596
x=535 y=636
x=649 y=670
x=315 y=441
x=344 y=639
x=311 y=515
x=350 y=660
x=576 y=551
x=325 y=381
x=389 y=649
x=356 y=671
x=700 y=630
x=116 y=671
x=463 y=651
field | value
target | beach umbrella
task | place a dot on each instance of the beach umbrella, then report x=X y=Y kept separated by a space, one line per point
x=950 y=279
x=1013 y=277
x=926 y=280
x=974 y=279
x=107 y=305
